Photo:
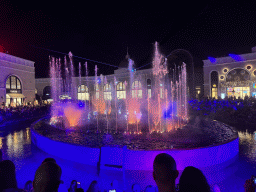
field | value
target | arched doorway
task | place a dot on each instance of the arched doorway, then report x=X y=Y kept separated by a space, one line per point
x=14 y=96
x=47 y=93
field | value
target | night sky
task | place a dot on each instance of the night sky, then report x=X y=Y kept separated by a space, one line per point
x=102 y=31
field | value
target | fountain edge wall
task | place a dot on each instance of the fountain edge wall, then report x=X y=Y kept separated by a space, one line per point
x=116 y=158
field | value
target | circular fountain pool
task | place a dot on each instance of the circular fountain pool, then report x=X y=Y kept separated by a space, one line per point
x=203 y=144
x=204 y=133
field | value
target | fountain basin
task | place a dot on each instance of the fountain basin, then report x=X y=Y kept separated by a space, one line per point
x=121 y=155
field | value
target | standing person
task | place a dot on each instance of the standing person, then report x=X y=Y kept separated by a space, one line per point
x=193 y=180
x=93 y=187
x=8 y=182
x=47 y=177
x=165 y=172
x=73 y=186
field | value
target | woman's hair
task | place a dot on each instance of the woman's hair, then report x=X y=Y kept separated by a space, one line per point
x=92 y=187
x=193 y=180
x=7 y=175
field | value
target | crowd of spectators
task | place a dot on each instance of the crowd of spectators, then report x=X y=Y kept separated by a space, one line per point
x=21 y=112
x=48 y=179
x=232 y=111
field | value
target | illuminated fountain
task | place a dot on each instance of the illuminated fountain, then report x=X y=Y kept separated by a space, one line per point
x=161 y=115
x=165 y=108
x=127 y=133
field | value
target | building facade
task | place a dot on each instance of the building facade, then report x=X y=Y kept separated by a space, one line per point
x=232 y=76
x=17 y=83
x=118 y=83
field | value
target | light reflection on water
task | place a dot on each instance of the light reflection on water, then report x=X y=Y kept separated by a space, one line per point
x=16 y=146
x=247 y=145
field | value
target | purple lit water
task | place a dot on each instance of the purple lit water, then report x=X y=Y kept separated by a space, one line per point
x=17 y=147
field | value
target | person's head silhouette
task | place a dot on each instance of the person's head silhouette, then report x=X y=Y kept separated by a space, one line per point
x=165 y=172
x=7 y=175
x=47 y=177
x=193 y=180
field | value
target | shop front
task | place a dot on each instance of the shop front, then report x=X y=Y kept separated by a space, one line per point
x=238 y=92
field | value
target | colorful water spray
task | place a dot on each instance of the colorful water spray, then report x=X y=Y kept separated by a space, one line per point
x=166 y=105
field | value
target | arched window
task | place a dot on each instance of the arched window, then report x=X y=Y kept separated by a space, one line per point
x=13 y=91
x=83 y=93
x=107 y=92
x=97 y=91
x=149 y=87
x=214 y=84
x=120 y=91
x=136 y=89
x=13 y=85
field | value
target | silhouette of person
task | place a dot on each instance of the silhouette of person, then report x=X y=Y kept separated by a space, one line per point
x=165 y=172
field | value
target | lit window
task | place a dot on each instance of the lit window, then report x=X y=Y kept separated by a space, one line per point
x=120 y=91
x=83 y=93
x=107 y=92
x=136 y=89
x=97 y=91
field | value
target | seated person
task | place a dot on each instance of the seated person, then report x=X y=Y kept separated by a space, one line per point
x=165 y=172
x=193 y=180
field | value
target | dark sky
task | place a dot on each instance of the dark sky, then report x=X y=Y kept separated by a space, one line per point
x=102 y=31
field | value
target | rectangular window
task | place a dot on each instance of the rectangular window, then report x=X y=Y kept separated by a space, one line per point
x=121 y=94
x=87 y=96
x=79 y=96
x=8 y=86
x=140 y=94
x=214 y=93
x=137 y=94
x=107 y=96
x=149 y=93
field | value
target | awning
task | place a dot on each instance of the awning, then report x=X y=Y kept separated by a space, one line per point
x=14 y=95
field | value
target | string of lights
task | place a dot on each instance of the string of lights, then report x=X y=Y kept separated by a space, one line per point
x=75 y=56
